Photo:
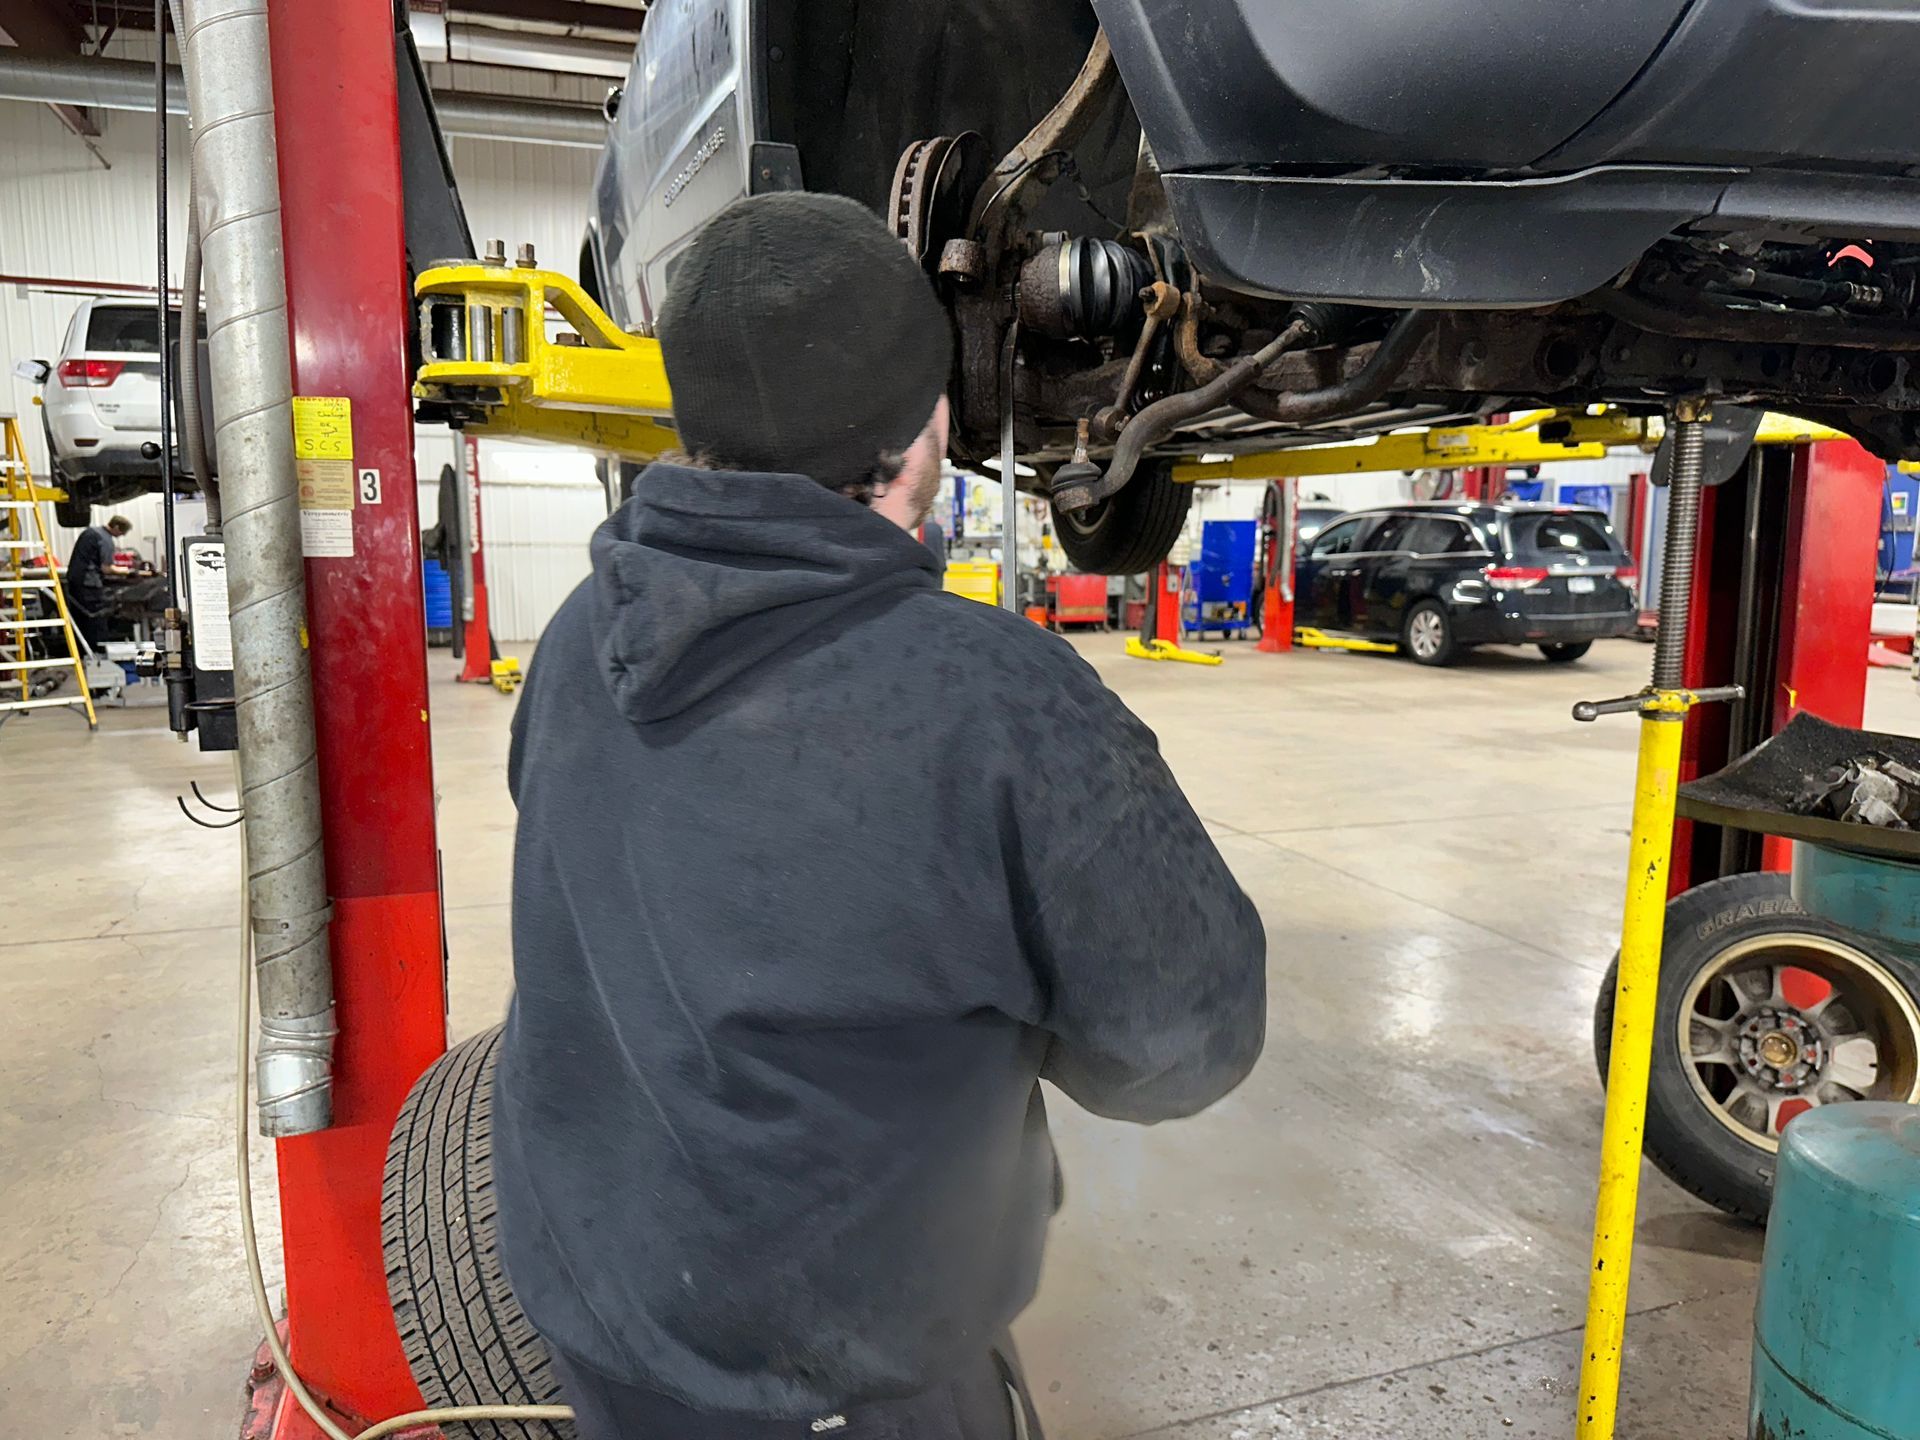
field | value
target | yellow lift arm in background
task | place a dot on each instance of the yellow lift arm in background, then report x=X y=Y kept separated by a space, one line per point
x=1538 y=437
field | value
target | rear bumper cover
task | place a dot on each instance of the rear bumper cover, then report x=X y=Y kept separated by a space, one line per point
x=108 y=462
x=1485 y=625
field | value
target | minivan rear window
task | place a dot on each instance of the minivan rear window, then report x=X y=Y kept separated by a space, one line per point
x=129 y=329
x=1560 y=534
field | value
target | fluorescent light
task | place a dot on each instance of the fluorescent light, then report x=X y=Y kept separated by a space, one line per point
x=1018 y=468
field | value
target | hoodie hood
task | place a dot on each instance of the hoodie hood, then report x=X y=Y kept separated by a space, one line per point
x=704 y=574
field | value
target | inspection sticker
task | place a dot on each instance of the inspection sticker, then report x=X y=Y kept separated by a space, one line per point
x=322 y=427
x=323 y=463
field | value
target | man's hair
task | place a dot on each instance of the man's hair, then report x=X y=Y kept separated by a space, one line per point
x=885 y=470
x=119 y=525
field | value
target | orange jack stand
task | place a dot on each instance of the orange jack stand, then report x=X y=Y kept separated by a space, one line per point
x=1276 y=585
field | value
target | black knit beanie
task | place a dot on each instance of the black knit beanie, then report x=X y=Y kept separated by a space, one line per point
x=800 y=336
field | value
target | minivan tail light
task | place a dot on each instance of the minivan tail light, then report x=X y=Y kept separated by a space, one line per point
x=1629 y=576
x=1515 y=577
x=90 y=374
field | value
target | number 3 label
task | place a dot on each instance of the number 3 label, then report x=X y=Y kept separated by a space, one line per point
x=369 y=487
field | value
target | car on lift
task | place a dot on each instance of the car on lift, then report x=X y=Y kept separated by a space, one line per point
x=1232 y=225
x=1441 y=577
x=100 y=405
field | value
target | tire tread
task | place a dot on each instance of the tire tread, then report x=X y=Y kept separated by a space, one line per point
x=466 y=1339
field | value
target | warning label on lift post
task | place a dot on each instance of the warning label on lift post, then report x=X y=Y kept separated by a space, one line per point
x=207 y=603
x=323 y=463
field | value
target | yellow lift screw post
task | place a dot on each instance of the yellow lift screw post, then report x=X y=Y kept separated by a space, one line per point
x=1662 y=708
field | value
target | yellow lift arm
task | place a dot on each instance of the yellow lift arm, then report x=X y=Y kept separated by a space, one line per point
x=490 y=364
x=488 y=360
x=1538 y=437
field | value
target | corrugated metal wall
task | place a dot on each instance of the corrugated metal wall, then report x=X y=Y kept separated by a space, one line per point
x=539 y=505
x=65 y=218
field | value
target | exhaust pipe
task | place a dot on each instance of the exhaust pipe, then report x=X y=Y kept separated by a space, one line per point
x=237 y=192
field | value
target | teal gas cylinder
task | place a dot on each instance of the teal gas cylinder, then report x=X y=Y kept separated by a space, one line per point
x=1836 y=1346
x=1876 y=895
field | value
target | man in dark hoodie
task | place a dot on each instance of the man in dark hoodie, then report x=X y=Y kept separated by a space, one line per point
x=819 y=872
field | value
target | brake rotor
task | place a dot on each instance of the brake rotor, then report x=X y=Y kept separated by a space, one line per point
x=933 y=189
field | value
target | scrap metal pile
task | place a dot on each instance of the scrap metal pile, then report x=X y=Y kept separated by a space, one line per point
x=1870 y=789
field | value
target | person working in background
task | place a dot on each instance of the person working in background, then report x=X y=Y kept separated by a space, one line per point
x=929 y=534
x=88 y=567
x=819 y=872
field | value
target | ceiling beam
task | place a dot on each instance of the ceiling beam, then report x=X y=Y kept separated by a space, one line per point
x=48 y=27
x=42 y=27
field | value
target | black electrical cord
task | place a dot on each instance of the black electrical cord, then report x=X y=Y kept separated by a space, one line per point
x=168 y=525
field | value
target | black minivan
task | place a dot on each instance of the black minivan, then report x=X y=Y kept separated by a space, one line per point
x=1443 y=576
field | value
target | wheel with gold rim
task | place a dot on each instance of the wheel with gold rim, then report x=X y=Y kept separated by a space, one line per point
x=1765 y=1012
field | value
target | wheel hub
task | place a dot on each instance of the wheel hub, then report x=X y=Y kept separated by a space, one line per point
x=1779 y=1023
x=1781 y=1048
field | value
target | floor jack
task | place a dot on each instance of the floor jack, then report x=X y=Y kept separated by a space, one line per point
x=1159 y=637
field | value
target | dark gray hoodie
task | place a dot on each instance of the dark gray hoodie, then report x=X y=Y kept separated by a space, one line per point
x=818 y=871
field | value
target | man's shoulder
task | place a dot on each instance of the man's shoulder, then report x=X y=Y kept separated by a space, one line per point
x=1000 y=654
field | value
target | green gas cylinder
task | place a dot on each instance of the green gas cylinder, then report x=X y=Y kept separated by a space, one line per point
x=1836 y=1348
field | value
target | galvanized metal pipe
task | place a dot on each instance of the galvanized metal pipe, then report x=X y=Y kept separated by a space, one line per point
x=1677 y=553
x=230 y=89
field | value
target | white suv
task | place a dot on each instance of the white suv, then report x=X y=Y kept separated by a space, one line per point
x=101 y=405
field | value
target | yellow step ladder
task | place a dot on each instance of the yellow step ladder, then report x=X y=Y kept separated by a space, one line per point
x=23 y=531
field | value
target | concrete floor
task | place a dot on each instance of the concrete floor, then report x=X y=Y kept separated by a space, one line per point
x=1383 y=1233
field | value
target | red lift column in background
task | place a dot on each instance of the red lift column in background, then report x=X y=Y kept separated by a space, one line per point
x=347 y=292
x=1827 y=625
x=1783 y=605
x=477 y=644
x=1279 y=517
x=1162 y=620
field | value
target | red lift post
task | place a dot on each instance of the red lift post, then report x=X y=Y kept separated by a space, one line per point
x=349 y=303
x=1280 y=523
x=1162 y=621
x=477 y=647
x=1783 y=605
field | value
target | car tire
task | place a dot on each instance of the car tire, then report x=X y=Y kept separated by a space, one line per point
x=1427 y=635
x=1131 y=531
x=465 y=1337
x=1714 y=929
x=74 y=514
x=1566 y=654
